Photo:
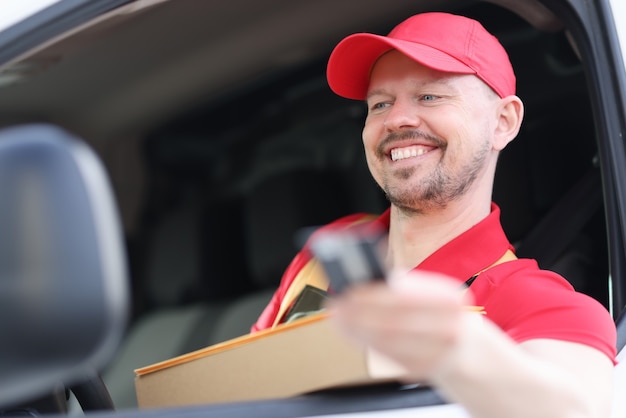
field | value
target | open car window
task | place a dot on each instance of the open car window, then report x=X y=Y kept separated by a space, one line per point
x=222 y=140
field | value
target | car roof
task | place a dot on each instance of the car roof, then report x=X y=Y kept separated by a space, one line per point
x=124 y=69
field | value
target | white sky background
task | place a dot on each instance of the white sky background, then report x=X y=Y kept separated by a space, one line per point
x=13 y=11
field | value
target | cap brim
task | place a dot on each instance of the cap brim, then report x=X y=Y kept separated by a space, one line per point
x=351 y=61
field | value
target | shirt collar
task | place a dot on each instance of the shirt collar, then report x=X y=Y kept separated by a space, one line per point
x=469 y=253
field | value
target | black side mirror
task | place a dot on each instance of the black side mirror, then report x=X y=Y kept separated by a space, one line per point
x=63 y=276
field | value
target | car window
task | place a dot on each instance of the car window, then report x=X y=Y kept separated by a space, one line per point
x=222 y=140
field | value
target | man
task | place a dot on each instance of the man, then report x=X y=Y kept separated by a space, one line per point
x=440 y=92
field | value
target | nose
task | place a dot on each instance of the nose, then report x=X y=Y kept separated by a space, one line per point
x=402 y=114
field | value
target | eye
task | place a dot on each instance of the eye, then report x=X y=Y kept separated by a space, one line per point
x=429 y=97
x=378 y=105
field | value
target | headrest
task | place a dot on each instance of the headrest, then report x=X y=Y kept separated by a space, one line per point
x=63 y=275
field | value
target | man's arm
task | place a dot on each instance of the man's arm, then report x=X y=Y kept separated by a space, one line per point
x=423 y=323
x=537 y=378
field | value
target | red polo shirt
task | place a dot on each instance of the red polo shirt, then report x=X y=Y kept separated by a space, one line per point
x=523 y=300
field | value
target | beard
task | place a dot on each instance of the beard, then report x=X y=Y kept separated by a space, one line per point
x=446 y=183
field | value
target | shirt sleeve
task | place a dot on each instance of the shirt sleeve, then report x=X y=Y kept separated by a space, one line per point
x=529 y=303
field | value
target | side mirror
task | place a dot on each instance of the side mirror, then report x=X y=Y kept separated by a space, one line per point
x=63 y=277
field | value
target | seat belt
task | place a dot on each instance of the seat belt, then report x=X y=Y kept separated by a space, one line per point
x=551 y=236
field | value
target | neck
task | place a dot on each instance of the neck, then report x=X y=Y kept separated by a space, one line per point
x=415 y=236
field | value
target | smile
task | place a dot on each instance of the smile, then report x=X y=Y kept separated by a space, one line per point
x=398 y=154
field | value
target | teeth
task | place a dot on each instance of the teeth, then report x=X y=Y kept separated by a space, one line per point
x=403 y=153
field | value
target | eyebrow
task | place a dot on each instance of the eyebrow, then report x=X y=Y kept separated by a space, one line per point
x=374 y=93
x=444 y=81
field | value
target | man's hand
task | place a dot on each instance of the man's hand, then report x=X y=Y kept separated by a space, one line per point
x=416 y=319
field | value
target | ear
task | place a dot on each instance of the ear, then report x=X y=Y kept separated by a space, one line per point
x=510 y=115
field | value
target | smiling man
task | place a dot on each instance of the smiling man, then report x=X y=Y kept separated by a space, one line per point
x=440 y=92
x=412 y=109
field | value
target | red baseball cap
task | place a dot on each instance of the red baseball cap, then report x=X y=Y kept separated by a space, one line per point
x=441 y=41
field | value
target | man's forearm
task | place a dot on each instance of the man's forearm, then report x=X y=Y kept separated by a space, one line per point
x=492 y=376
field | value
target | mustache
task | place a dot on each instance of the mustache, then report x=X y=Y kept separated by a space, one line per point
x=412 y=134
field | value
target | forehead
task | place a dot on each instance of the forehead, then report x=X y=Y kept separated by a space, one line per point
x=395 y=67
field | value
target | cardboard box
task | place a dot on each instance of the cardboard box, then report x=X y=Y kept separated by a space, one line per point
x=289 y=360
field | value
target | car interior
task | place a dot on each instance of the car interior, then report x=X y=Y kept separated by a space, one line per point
x=222 y=141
